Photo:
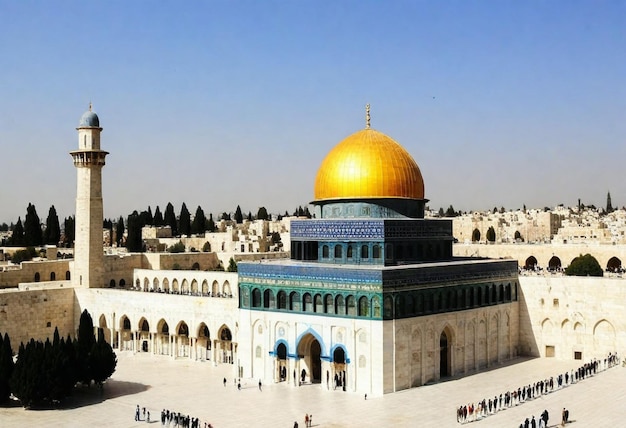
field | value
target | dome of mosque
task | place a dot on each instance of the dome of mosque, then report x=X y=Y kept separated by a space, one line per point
x=368 y=165
x=89 y=118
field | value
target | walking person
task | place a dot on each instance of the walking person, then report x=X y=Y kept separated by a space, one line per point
x=260 y=385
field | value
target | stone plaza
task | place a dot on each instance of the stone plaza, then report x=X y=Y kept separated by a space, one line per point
x=196 y=388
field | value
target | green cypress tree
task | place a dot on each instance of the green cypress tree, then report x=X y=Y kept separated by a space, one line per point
x=32 y=227
x=199 y=222
x=184 y=221
x=6 y=367
x=52 y=234
x=17 y=236
x=84 y=346
x=170 y=218
x=238 y=215
x=102 y=360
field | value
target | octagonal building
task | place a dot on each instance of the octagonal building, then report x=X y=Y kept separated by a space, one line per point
x=372 y=300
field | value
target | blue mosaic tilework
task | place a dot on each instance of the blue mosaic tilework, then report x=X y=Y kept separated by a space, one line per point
x=337 y=229
x=342 y=230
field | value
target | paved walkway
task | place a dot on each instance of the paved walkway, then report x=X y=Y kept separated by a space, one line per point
x=196 y=388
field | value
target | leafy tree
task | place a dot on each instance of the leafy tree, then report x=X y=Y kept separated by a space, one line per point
x=170 y=219
x=491 y=234
x=4 y=227
x=23 y=255
x=184 y=221
x=232 y=265
x=502 y=210
x=69 y=231
x=6 y=367
x=206 y=248
x=238 y=215
x=476 y=235
x=157 y=220
x=179 y=247
x=17 y=238
x=199 y=222
x=441 y=212
x=210 y=224
x=133 y=240
x=32 y=227
x=52 y=234
x=262 y=214
x=119 y=231
x=586 y=265
x=249 y=216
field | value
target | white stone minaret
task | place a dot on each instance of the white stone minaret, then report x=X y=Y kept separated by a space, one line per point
x=88 y=244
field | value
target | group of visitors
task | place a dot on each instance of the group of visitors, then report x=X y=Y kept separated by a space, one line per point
x=488 y=406
x=178 y=420
x=543 y=420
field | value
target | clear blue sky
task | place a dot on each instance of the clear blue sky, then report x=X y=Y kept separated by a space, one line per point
x=228 y=103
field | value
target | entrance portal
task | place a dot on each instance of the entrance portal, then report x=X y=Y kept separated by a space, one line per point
x=310 y=350
x=444 y=359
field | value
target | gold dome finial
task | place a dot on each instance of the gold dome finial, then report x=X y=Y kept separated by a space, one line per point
x=89 y=105
x=367 y=116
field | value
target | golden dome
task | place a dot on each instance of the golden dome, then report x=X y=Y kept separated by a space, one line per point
x=368 y=164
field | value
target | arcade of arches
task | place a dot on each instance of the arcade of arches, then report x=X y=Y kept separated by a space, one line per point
x=177 y=340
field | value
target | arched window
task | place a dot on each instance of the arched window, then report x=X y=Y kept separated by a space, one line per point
x=37 y=277
x=328 y=304
x=307 y=300
x=365 y=252
x=349 y=252
x=53 y=276
x=68 y=276
x=376 y=251
x=351 y=305
x=282 y=300
x=319 y=305
x=325 y=251
x=399 y=251
x=376 y=307
x=256 y=298
x=294 y=301
x=364 y=307
x=268 y=299
x=340 y=305
x=338 y=251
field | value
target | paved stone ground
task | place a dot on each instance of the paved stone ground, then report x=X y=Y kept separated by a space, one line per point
x=195 y=388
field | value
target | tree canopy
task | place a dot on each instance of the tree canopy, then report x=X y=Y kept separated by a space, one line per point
x=52 y=234
x=586 y=265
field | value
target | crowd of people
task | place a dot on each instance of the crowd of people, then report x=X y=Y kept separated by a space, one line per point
x=488 y=406
x=171 y=419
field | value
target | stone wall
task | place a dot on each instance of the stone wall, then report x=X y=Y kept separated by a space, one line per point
x=572 y=317
x=35 y=313
x=476 y=339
